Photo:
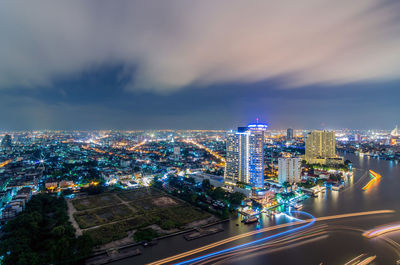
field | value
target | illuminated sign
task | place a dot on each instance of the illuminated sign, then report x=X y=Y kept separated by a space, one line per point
x=262 y=126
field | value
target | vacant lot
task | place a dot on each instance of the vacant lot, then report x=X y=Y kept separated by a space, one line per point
x=138 y=194
x=107 y=233
x=110 y=216
x=153 y=203
x=90 y=202
x=103 y=215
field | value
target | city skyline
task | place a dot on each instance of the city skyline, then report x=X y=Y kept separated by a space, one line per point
x=141 y=65
x=199 y=132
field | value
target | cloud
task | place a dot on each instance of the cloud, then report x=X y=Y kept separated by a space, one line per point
x=167 y=45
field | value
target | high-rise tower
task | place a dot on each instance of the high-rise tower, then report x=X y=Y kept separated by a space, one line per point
x=256 y=154
x=289 y=170
x=289 y=134
x=321 y=148
x=6 y=142
x=245 y=155
x=232 y=157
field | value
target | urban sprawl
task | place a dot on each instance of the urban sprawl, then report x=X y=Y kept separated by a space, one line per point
x=124 y=187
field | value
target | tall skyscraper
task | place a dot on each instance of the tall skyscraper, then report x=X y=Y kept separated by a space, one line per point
x=245 y=155
x=357 y=137
x=289 y=134
x=289 y=170
x=395 y=132
x=256 y=154
x=321 y=148
x=177 y=150
x=232 y=157
x=395 y=136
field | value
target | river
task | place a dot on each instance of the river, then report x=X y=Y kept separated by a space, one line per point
x=336 y=247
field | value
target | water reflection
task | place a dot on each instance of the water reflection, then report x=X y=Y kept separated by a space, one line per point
x=383 y=195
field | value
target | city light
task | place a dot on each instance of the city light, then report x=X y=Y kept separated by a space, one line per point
x=5 y=163
x=205 y=148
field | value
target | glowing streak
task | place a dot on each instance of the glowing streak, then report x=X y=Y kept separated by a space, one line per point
x=369 y=184
x=252 y=242
x=367 y=260
x=355 y=259
x=279 y=243
x=5 y=163
x=374 y=178
x=381 y=230
x=136 y=146
x=233 y=238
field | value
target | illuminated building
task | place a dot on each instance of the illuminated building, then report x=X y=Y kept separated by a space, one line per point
x=6 y=142
x=256 y=154
x=395 y=136
x=289 y=134
x=232 y=157
x=395 y=132
x=177 y=150
x=245 y=155
x=289 y=170
x=321 y=148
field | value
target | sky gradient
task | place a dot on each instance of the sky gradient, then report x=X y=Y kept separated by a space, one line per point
x=199 y=64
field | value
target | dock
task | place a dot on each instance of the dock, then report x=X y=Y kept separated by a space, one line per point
x=112 y=255
x=201 y=232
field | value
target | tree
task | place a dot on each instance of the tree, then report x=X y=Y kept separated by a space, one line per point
x=42 y=234
x=256 y=205
x=193 y=197
x=92 y=190
x=146 y=234
x=156 y=182
x=320 y=182
x=218 y=193
x=225 y=213
x=191 y=180
x=236 y=198
x=206 y=185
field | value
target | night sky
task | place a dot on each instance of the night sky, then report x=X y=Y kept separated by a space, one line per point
x=199 y=64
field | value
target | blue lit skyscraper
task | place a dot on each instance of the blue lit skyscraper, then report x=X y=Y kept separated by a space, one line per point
x=245 y=155
x=256 y=154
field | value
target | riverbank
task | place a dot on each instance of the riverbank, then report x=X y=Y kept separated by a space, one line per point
x=348 y=244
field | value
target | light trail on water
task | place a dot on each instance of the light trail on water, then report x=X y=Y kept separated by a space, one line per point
x=252 y=242
x=374 y=178
x=234 y=238
x=281 y=243
x=381 y=230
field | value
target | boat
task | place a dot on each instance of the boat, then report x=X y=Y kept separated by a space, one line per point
x=337 y=187
x=150 y=243
x=251 y=220
x=298 y=206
